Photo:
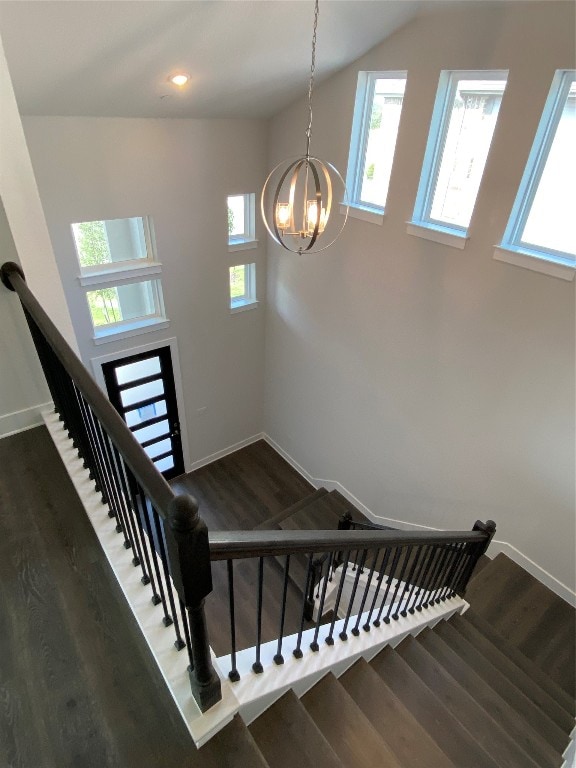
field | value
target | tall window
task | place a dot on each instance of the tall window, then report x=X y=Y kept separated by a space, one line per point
x=241 y=222
x=116 y=259
x=242 y=287
x=542 y=224
x=461 y=130
x=377 y=111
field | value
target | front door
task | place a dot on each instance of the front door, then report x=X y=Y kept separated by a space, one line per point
x=141 y=388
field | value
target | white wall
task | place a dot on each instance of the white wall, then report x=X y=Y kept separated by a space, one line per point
x=21 y=202
x=23 y=390
x=437 y=385
x=179 y=172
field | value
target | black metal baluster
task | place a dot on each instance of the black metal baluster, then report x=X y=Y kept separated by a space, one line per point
x=343 y=635
x=436 y=565
x=314 y=644
x=97 y=455
x=132 y=513
x=381 y=574
x=185 y=624
x=172 y=617
x=95 y=473
x=234 y=675
x=297 y=652
x=124 y=504
x=457 y=561
x=356 y=630
x=399 y=580
x=419 y=579
x=444 y=559
x=389 y=580
x=443 y=573
x=330 y=636
x=115 y=493
x=257 y=666
x=410 y=583
x=278 y=658
x=108 y=492
x=145 y=511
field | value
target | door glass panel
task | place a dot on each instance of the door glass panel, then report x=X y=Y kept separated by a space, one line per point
x=138 y=415
x=138 y=370
x=160 y=447
x=142 y=392
x=164 y=464
x=154 y=430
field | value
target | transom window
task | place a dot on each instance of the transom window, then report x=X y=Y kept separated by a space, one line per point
x=541 y=224
x=379 y=98
x=463 y=122
x=112 y=244
x=116 y=259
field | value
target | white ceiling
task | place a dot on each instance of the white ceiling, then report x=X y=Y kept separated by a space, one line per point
x=246 y=58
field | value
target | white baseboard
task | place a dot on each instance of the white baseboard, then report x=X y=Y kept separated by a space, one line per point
x=11 y=423
x=224 y=452
x=497 y=546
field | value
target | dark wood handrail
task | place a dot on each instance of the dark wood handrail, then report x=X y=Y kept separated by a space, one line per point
x=153 y=483
x=238 y=545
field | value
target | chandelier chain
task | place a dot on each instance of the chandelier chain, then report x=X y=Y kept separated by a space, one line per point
x=311 y=83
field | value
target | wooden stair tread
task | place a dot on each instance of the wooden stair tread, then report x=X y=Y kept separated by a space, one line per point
x=509 y=712
x=473 y=717
x=287 y=737
x=442 y=726
x=231 y=747
x=530 y=616
x=501 y=664
x=344 y=725
x=318 y=515
x=403 y=734
x=521 y=661
x=273 y=523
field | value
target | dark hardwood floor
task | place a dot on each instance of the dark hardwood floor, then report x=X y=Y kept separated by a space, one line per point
x=78 y=686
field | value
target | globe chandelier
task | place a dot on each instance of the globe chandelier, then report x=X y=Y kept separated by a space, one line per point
x=297 y=201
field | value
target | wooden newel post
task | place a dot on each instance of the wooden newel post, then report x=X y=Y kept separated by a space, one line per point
x=489 y=528
x=189 y=562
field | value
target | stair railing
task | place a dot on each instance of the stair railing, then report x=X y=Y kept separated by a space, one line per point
x=388 y=574
x=168 y=540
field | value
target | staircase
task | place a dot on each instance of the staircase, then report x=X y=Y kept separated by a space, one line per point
x=320 y=510
x=460 y=695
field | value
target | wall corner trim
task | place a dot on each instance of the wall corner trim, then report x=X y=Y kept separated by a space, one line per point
x=19 y=421
x=497 y=546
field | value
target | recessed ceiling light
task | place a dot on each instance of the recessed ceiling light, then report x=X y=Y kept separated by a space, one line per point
x=180 y=79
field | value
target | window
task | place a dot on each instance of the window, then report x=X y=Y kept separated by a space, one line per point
x=116 y=257
x=242 y=287
x=111 y=245
x=462 y=126
x=241 y=222
x=541 y=226
x=379 y=98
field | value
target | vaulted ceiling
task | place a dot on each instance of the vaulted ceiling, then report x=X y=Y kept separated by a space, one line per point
x=246 y=58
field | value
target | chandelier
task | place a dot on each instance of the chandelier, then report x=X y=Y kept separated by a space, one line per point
x=298 y=196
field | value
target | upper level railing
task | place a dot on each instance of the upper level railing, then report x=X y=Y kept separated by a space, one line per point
x=338 y=581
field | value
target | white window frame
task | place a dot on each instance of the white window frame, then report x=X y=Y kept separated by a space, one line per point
x=422 y=225
x=248 y=300
x=129 y=267
x=358 y=143
x=119 y=273
x=246 y=240
x=513 y=249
